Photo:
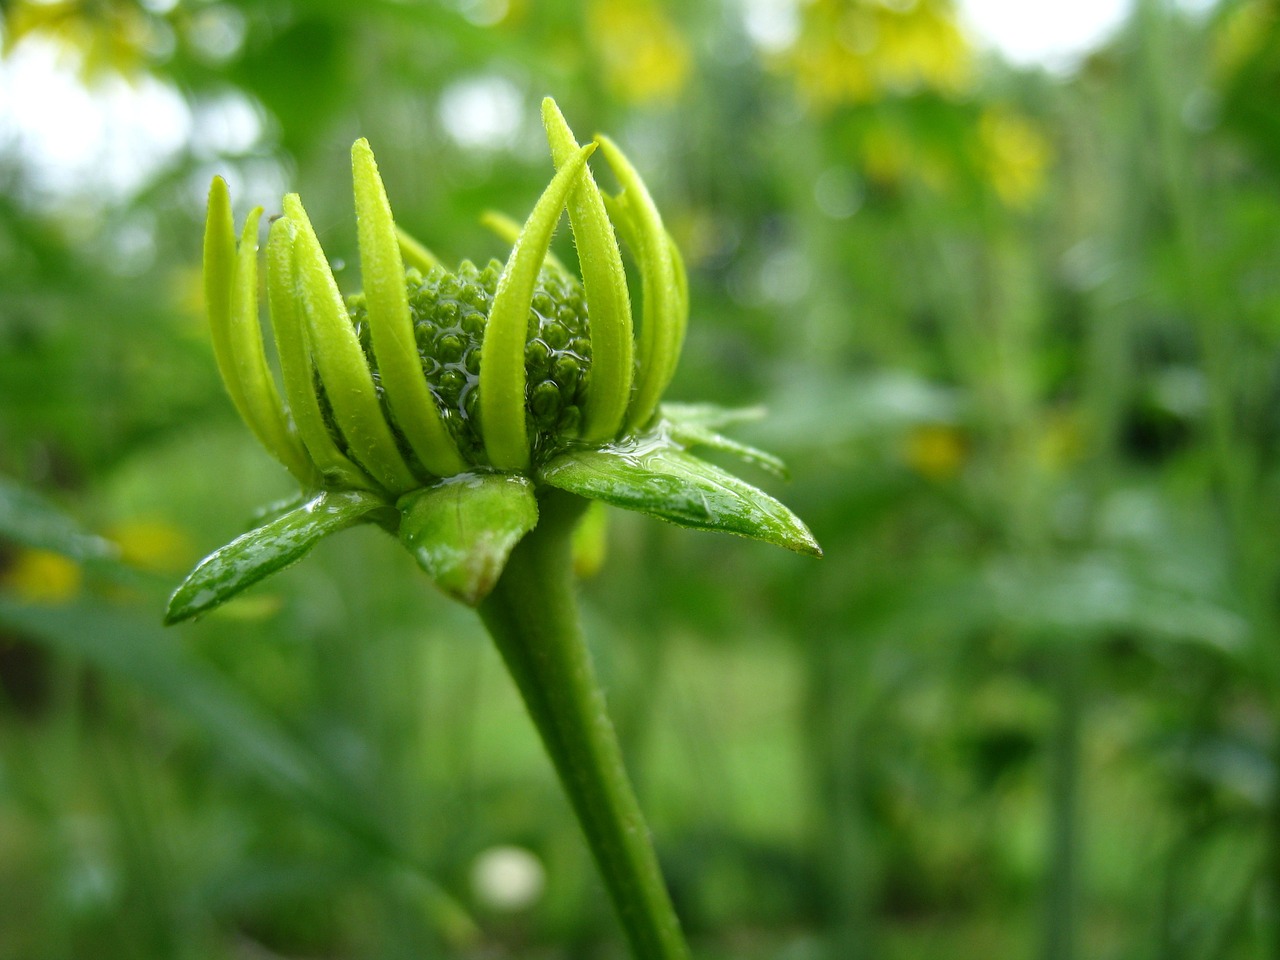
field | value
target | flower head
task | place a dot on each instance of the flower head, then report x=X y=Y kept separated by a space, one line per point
x=442 y=404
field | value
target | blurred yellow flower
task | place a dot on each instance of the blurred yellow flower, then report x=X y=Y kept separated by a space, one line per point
x=153 y=545
x=855 y=51
x=42 y=576
x=1015 y=155
x=645 y=58
x=108 y=35
x=936 y=451
x=1242 y=33
x=890 y=155
x=1060 y=441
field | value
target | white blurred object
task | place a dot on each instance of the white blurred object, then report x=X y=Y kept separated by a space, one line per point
x=508 y=878
x=1053 y=34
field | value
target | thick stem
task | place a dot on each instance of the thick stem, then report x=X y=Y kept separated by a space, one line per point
x=533 y=618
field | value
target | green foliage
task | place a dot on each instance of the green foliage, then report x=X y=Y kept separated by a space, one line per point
x=1016 y=334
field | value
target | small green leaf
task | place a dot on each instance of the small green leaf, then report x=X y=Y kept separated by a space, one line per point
x=391 y=324
x=692 y=431
x=653 y=475
x=605 y=285
x=502 y=373
x=269 y=548
x=708 y=415
x=294 y=352
x=461 y=531
x=336 y=352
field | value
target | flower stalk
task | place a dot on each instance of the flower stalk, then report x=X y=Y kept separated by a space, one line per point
x=533 y=618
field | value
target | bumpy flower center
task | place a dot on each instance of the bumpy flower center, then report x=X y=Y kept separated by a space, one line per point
x=450 y=311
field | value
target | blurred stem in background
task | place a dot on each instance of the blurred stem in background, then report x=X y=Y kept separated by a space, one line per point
x=1237 y=394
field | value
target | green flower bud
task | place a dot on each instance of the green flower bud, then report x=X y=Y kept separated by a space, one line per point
x=435 y=393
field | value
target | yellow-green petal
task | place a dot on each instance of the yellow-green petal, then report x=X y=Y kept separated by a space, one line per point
x=295 y=361
x=231 y=291
x=605 y=284
x=637 y=216
x=414 y=253
x=502 y=373
x=509 y=230
x=391 y=325
x=336 y=352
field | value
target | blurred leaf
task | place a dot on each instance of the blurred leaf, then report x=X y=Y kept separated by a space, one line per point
x=147 y=658
x=29 y=519
x=1099 y=593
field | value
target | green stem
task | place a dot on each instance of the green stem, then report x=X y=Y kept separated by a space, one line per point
x=533 y=618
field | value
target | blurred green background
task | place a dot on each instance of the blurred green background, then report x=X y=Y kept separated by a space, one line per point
x=1017 y=331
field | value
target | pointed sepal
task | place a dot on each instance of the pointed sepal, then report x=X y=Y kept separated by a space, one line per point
x=266 y=550
x=654 y=475
x=694 y=426
x=461 y=531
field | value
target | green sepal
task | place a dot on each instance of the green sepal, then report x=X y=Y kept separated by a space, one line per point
x=710 y=416
x=262 y=552
x=461 y=531
x=693 y=426
x=654 y=475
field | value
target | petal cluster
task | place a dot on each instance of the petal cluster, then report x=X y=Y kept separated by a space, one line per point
x=359 y=426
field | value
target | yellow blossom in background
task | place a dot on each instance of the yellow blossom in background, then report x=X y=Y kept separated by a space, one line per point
x=42 y=576
x=1015 y=155
x=108 y=35
x=936 y=451
x=153 y=545
x=891 y=154
x=856 y=51
x=1242 y=34
x=1060 y=442
x=644 y=56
